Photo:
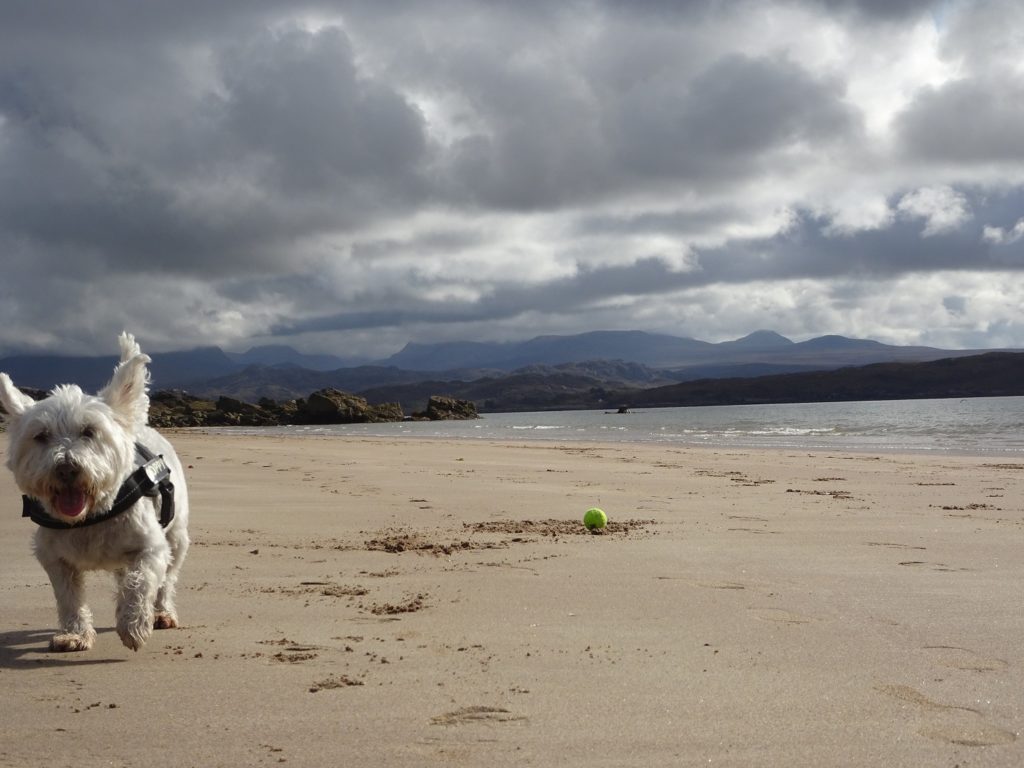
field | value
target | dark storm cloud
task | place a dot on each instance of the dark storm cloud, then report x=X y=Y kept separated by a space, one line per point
x=882 y=9
x=807 y=251
x=553 y=138
x=533 y=136
x=679 y=222
x=432 y=243
x=262 y=168
x=298 y=100
x=726 y=118
x=506 y=300
x=291 y=139
x=967 y=121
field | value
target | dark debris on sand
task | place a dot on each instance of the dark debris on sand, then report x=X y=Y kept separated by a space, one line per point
x=553 y=527
x=415 y=542
x=510 y=531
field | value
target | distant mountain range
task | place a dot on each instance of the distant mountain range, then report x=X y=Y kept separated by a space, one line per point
x=993 y=374
x=654 y=350
x=282 y=354
x=547 y=371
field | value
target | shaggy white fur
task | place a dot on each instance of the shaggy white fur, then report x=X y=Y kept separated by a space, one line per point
x=71 y=452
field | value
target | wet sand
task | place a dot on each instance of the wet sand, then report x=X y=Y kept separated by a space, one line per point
x=377 y=602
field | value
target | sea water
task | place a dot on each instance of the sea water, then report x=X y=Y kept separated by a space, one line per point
x=989 y=425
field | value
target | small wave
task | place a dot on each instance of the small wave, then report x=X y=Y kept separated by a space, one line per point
x=790 y=431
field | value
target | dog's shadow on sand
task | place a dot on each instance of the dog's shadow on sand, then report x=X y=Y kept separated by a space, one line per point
x=30 y=649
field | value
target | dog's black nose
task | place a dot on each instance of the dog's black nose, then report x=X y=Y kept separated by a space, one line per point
x=67 y=472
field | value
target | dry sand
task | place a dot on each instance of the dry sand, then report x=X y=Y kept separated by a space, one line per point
x=373 y=602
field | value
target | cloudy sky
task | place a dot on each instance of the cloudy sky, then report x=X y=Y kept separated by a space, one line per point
x=346 y=177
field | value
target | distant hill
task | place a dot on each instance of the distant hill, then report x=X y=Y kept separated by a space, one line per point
x=759 y=340
x=603 y=384
x=282 y=354
x=600 y=360
x=660 y=351
x=518 y=391
x=287 y=382
x=411 y=388
x=994 y=374
x=652 y=349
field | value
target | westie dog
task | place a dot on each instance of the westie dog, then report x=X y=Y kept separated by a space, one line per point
x=77 y=460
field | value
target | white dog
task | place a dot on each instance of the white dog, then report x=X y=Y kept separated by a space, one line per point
x=108 y=493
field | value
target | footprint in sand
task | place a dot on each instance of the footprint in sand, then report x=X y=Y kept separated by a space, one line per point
x=705 y=584
x=892 y=545
x=951 y=724
x=942 y=567
x=781 y=616
x=477 y=714
x=720 y=585
x=956 y=657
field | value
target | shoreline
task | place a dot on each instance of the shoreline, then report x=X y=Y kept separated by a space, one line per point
x=979 y=427
x=266 y=433
x=408 y=602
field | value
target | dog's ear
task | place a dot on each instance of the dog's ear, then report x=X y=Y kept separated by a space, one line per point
x=129 y=347
x=127 y=393
x=13 y=399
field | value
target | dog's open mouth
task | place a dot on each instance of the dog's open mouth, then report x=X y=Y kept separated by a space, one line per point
x=71 y=502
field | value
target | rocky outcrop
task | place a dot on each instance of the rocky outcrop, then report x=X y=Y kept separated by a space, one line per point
x=332 y=406
x=175 y=408
x=448 y=408
x=180 y=409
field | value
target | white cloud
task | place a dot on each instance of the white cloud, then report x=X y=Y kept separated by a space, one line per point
x=1000 y=236
x=885 y=74
x=942 y=208
x=852 y=213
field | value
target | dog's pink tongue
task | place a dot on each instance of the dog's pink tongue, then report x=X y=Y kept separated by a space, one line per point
x=71 y=503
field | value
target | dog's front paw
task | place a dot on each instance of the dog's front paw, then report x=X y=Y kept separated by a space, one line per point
x=72 y=641
x=165 y=620
x=134 y=635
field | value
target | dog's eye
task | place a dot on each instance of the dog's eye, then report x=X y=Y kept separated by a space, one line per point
x=42 y=437
x=88 y=433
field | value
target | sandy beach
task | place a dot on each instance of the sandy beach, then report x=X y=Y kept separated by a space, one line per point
x=404 y=602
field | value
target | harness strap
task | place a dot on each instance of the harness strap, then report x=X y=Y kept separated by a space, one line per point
x=157 y=474
x=151 y=478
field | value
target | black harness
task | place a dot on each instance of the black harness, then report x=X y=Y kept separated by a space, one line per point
x=152 y=477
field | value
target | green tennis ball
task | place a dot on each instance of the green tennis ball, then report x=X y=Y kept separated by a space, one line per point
x=595 y=518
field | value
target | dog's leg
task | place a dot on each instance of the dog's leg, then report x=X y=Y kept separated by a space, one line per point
x=165 y=613
x=136 y=593
x=73 y=615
